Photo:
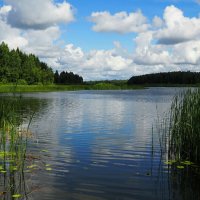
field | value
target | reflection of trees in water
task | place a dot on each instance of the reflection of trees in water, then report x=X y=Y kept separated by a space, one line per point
x=21 y=109
x=15 y=164
x=29 y=106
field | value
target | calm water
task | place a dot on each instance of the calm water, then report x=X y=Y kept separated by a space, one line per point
x=98 y=145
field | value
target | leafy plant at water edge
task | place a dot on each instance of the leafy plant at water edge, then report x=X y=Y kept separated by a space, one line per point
x=12 y=147
x=184 y=126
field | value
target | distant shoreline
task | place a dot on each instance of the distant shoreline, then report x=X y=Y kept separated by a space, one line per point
x=10 y=88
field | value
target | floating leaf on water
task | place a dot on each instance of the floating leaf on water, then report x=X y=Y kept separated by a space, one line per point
x=48 y=168
x=13 y=168
x=3 y=171
x=6 y=153
x=187 y=162
x=170 y=162
x=16 y=195
x=44 y=150
x=47 y=165
x=2 y=154
x=180 y=167
x=31 y=166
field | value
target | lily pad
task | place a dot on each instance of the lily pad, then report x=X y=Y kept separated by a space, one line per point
x=16 y=195
x=44 y=150
x=187 y=162
x=170 y=162
x=180 y=167
x=13 y=168
x=32 y=166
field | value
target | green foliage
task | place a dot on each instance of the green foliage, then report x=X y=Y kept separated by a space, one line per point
x=13 y=148
x=111 y=85
x=16 y=66
x=48 y=88
x=67 y=78
x=22 y=82
x=167 y=78
x=180 y=130
x=185 y=126
x=3 y=81
x=105 y=86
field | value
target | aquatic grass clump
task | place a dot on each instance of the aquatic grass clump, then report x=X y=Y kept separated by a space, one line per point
x=17 y=163
x=13 y=142
x=184 y=126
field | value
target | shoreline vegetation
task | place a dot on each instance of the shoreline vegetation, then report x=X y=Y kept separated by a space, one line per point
x=176 y=77
x=13 y=148
x=183 y=131
x=92 y=85
x=179 y=132
x=12 y=88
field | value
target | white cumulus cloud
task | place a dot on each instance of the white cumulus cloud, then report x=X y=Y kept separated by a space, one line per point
x=38 y=14
x=177 y=27
x=121 y=22
x=187 y=53
x=147 y=53
x=12 y=36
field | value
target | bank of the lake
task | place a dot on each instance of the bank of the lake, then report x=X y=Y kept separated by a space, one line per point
x=10 y=88
x=7 y=88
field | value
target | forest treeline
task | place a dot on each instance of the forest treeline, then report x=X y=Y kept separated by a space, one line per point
x=167 y=78
x=18 y=67
x=67 y=78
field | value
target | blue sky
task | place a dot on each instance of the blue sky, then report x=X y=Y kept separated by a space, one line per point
x=92 y=40
x=106 y=39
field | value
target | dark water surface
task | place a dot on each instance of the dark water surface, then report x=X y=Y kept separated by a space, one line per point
x=98 y=146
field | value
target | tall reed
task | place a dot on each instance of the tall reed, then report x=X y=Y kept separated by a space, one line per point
x=12 y=148
x=184 y=126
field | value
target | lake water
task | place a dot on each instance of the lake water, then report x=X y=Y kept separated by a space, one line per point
x=97 y=145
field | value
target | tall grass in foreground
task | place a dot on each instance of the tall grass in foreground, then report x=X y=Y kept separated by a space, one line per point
x=179 y=139
x=183 y=129
x=12 y=149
